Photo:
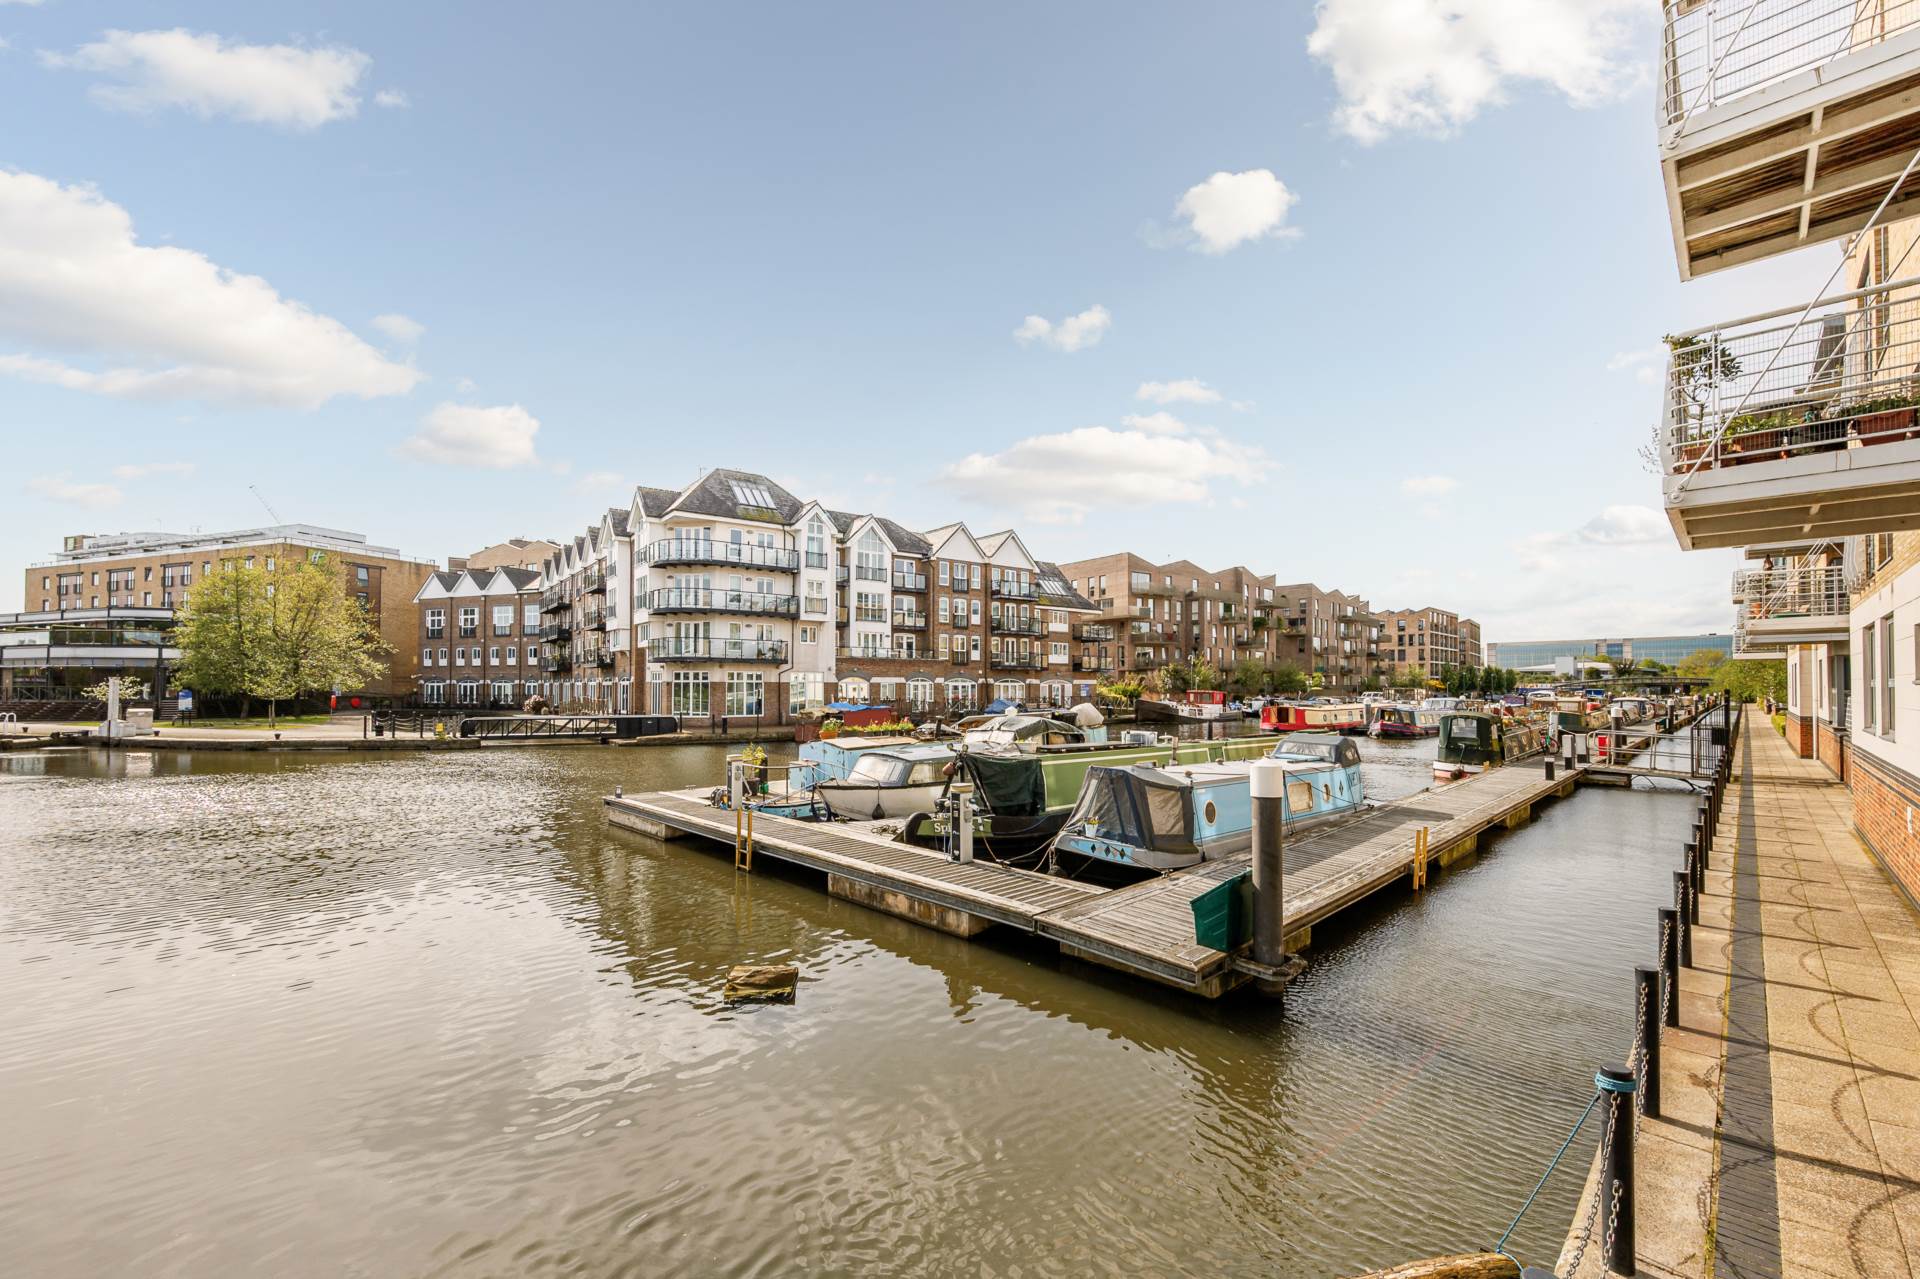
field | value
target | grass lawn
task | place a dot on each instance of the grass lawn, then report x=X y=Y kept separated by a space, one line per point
x=257 y=721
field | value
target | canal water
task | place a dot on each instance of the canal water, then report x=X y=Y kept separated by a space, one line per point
x=427 y=1015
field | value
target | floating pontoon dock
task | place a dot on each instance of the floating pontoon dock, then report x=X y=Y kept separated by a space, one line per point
x=1145 y=929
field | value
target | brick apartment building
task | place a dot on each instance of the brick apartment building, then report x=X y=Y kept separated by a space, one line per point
x=1331 y=634
x=1430 y=638
x=156 y=570
x=479 y=636
x=586 y=629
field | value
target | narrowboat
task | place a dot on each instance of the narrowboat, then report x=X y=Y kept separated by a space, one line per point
x=1432 y=708
x=1313 y=717
x=1397 y=719
x=1020 y=798
x=1033 y=732
x=1197 y=706
x=1474 y=741
x=1161 y=818
x=893 y=781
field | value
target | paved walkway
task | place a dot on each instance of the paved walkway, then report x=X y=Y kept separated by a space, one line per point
x=1790 y=1139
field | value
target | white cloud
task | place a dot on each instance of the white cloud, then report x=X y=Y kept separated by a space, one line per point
x=392 y=98
x=1071 y=334
x=169 y=323
x=1161 y=423
x=200 y=72
x=400 y=328
x=60 y=488
x=496 y=438
x=602 y=482
x=1186 y=390
x=1232 y=209
x=1060 y=478
x=466 y=386
x=1430 y=66
x=1428 y=485
x=137 y=470
x=1626 y=526
x=1648 y=365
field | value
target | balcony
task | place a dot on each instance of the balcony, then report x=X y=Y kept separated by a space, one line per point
x=1014 y=662
x=1011 y=588
x=909 y=621
x=1019 y=626
x=701 y=550
x=814 y=606
x=909 y=581
x=1792 y=606
x=871 y=653
x=1096 y=665
x=840 y=574
x=819 y=559
x=1095 y=632
x=1146 y=662
x=870 y=572
x=1783 y=123
x=599 y=656
x=961 y=659
x=594 y=619
x=552 y=600
x=673 y=649
x=1786 y=427
x=554 y=662
x=594 y=582
x=556 y=630
x=679 y=599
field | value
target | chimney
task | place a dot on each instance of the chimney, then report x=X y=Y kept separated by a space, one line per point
x=455 y=563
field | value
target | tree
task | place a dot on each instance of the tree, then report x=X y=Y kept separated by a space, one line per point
x=1371 y=684
x=1122 y=691
x=1287 y=678
x=1414 y=677
x=1751 y=681
x=132 y=689
x=1701 y=663
x=1248 y=677
x=248 y=633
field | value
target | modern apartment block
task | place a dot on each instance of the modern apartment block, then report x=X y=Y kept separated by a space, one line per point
x=586 y=618
x=1792 y=433
x=154 y=571
x=1430 y=638
x=479 y=637
x=1331 y=634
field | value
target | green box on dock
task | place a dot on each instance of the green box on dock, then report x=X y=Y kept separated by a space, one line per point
x=1223 y=915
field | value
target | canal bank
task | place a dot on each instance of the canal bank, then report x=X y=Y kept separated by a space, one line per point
x=426 y=1014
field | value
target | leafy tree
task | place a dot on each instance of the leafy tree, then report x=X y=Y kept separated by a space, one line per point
x=132 y=689
x=1413 y=677
x=220 y=629
x=1287 y=678
x=1126 y=691
x=1248 y=677
x=1751 y=681
x=1371 y=684
x=1701 y=662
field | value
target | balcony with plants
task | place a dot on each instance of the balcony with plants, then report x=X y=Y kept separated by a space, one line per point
x=1797 y=423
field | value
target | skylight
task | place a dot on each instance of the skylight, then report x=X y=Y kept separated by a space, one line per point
x=751 y=494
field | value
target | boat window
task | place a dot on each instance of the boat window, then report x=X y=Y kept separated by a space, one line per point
x=1167 y=813
x=1299 y=797
x=927 y=771
x=1462 y=729
x=1099 y=808
x=879 y=770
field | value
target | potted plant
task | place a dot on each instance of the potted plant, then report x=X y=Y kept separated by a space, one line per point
x=829 y=728
x=755 y=759
x=1696 y=367
x=1753 y=437
x=1885 y=417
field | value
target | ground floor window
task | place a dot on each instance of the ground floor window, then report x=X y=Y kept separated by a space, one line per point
x=960 y=694
x=469 y=692
x=746 y=693
x=1055 y=694
x=806 y=691
x=433 y=692
x=503 y=690
x=626 y=692
x=1011 y=690
x=690 y=696
x=919 y=694
x=886 y=690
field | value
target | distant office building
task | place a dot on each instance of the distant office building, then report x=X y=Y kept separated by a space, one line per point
x=1668 y=650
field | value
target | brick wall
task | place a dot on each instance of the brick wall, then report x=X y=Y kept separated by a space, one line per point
x=1831 y=747
x=1884 y=802
x=1800 y=736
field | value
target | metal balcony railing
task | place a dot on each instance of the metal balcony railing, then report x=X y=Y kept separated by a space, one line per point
x=700 y=550
x=1019 y=626
x=1716 y=52
x=1779 y=594
x=815 y=606
x=1095 y=665
x=1018 y=662
x=869 y=613
x=552 y=600
x=909 y=581
x=1013 y=588
x=1096 y=631
x=682 y=599
x=1784 y=384
x=909 y=621
x=556 y=630
x=675 y=649
x=819 y=559
x=870 y=572
x=594 y=582
x=872 y=653
x=594 y=619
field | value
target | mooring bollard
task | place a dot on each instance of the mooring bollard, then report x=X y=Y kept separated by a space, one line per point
x=1549 y=762
x=1267 y=786
x=1670 y=963
x=1646 y=994
x=1616 y=1171
x=1697 y=871
x=1681 y=893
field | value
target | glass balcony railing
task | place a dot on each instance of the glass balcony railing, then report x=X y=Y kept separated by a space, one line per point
x=703 y=600
x=699 y=550
x=706 y=649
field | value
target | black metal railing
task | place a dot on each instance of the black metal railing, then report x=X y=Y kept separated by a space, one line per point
x=1019 y=626
x=1016 y=662
x=1013 y=588
x=909 y=621
x=681 y=599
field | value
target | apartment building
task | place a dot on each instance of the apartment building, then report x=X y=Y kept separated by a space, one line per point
x=1329 y=634
x=516 y=552
x=1429 y=638
x=156 y=570
x=479 y=637
x=1150 y=614
x=586 y=627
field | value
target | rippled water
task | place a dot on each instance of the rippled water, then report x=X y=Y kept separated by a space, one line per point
x=427 y=1015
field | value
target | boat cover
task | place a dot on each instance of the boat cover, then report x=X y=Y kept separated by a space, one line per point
x=1008 y=785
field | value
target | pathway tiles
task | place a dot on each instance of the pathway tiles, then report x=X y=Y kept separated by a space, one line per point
x=1799 y=1154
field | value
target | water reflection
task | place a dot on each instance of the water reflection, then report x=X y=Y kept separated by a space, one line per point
x=429 y=1014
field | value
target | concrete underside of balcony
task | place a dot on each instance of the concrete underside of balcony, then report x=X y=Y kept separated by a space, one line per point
x=1798 y=162
x=1824 y=496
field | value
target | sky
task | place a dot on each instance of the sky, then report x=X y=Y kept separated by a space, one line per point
x=1350 y=292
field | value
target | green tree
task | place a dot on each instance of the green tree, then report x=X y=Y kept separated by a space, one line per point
x=1287 y=678
x=1123 y=691
x=221 y=628
x=1751 y=681
x=1701 y=663
x=317 y=638
x=1248 y=677
x=1413 y=677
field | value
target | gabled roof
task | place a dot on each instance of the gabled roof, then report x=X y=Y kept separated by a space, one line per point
x=620 y=518
x=736 y=495
x=996 y=543
x=939 y=538
x=842 y=520
x=904 y=539
x=653 y=502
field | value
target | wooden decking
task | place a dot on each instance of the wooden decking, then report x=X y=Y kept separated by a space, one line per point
x=1146 y=928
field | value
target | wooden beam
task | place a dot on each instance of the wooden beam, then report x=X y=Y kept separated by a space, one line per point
x=1822 y=126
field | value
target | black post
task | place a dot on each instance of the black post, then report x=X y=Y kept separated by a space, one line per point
x=1268 y=787
x=1549 y=767
x=1646 y=993
x=1670 y=962
x=1682 y=890
x=1697 y=869
x=1616 y=1172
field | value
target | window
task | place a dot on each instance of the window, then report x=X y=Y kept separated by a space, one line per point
x=426 y=657
x=436 y=623
x=745 y=690
x=960 y=694
x=690 y=695
x=942 y=576
x=919 y=694
x=976 y=613
x=1886 y=676
x=977 y=577
x=942 y=607
x=503 y=690
x=469 y=622
x=530 y=617
x=503 y=619
x=493 y=655
x=750 y=494
x=853 y=690
x=443 y=657
x=806 y=690
x=460 y=656
x=269 y=563
x=513 y=655
x=433 y=692
x=809 y=634
x=1869 y=694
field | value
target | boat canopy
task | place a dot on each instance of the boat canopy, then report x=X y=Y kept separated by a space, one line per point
x=1009 y=785
x=908 y=767
x=1012 y=730
x=1327 y=747
x=1145 y=807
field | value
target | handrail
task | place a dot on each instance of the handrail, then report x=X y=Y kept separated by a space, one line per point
x=1799 y=308
x=1793 y=37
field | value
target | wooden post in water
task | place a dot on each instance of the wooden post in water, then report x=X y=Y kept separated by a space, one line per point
x=1267 y=785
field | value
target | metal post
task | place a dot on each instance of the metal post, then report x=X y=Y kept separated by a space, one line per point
x=1646 y=994
x=1616 y=1171
x=963 y=814
x=1267 y=786
x=1682 y=899
x=1670 y=962
x=1549 y=760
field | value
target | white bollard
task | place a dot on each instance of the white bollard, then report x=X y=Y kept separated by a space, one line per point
x=963 y=813
x=1268 y=787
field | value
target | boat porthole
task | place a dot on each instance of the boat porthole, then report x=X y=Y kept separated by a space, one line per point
x=1210 y=814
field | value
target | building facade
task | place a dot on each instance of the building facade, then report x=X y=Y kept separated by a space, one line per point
x=125 y=571
x=1430 y=639
x=1669 y=650
x=479 y=637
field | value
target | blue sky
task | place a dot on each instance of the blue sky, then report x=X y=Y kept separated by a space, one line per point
x=618 y=244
